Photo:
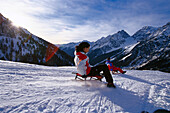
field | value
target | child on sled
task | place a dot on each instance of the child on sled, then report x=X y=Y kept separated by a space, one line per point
x=83 y=67
x=113 y=68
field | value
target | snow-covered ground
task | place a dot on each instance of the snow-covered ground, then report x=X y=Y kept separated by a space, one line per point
x=34 y=88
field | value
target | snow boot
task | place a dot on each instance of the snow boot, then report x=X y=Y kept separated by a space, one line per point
x=111 y=85
x=84 y=76
x=124 y=72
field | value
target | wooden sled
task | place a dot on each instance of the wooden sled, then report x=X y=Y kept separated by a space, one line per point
x=84 y=77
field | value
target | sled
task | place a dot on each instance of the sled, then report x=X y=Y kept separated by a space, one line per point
x=115 y=72
x=84 y=77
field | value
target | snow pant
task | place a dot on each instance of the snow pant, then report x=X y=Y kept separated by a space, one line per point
x=117 y=69
x=97 y=69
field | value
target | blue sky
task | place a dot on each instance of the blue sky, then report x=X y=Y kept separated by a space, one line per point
x=64 y=21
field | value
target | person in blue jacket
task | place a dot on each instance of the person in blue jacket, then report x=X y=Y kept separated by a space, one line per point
x=112 y=67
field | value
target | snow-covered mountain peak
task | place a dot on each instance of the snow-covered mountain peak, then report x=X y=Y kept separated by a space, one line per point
x=147 y=28
x=161 y=31
x=168 y=24
x=115 y=40
x=123 y=33
x=119 y=35
x=144 y=32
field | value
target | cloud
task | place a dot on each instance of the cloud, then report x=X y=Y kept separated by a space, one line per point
x=63 y=21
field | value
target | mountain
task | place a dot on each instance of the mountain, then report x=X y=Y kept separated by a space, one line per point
x=102 y=46
x=109 y=44
x=111 y=41
x=144 y=33
x=18 y=44
x=148 y=48
x=152 y=52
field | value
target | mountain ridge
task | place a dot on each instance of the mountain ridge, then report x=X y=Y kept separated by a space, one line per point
x=18 y=44
x=125 y=50
x=148 y=48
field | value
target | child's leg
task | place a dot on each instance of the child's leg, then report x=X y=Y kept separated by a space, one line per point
x=118 y=69
x=106 y=72
x=113 y=72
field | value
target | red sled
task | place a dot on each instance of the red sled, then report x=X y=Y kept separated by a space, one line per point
x=84 y=77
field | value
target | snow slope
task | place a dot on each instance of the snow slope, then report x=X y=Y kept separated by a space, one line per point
x=34 y=88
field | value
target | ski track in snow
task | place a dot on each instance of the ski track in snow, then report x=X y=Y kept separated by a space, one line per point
x=34 y=88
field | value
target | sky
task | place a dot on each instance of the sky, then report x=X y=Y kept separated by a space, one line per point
x=64 y=21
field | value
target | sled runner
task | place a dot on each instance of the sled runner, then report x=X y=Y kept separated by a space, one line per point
x=84 y=77
x=115 y=72
x=94 y=77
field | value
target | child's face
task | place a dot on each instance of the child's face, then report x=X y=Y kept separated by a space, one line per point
x=86 y=50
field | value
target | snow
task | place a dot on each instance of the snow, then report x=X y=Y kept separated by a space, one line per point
x=126 y=56
x=34 y=88
x=130 y=47
x=26 y=31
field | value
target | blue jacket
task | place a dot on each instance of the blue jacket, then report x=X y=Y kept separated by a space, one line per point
x=110 y=65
